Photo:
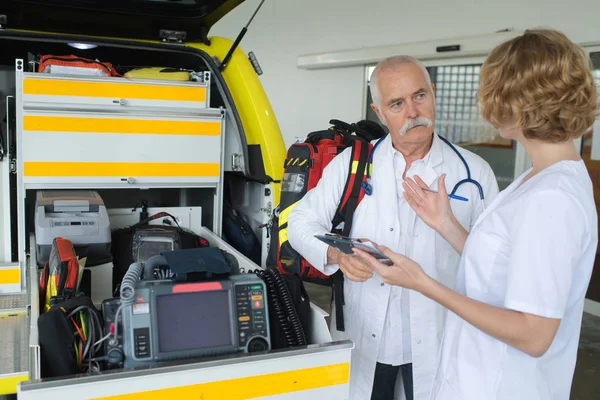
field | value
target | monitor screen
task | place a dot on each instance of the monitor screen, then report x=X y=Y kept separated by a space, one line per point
x=189 y=321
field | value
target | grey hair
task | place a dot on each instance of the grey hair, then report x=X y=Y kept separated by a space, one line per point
x=393 y=64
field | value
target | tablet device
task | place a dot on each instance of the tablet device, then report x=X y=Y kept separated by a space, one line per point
x=345 y=245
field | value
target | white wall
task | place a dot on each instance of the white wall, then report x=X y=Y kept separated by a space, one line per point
x=306 y=100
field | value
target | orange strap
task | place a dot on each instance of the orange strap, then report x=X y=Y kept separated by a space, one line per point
x=74 y=61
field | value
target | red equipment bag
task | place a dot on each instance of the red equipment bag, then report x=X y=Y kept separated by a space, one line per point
x=304 y=167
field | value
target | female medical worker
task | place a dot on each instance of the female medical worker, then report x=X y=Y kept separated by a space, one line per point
x=515 y=318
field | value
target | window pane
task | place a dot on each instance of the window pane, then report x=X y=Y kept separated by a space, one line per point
x=588 y=138
x=591 y=157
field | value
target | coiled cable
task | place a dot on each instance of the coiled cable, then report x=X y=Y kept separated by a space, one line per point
x=281 y=304
x=276 y=308
x=127 y=293
x=289 y=307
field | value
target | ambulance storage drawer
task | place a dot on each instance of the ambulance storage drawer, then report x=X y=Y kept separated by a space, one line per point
x=83 y=149
x=59 y=92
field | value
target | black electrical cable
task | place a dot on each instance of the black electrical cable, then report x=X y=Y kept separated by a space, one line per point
x=276 y=308
x=289 y=308
x=286 y=313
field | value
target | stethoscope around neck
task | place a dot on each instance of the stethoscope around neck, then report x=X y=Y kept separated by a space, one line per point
x=368 y=187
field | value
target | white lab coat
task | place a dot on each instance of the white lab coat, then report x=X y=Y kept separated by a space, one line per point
x=376 y=218
x=532 y=251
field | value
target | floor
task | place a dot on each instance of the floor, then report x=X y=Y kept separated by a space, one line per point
x=586 y=382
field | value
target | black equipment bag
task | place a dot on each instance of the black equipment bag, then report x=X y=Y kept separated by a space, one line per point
x=123 y=247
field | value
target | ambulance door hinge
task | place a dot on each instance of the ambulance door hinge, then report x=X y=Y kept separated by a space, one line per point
x=268 y=209
x=3 y=21
x=13 y=166
x=236 y=161
x=172 y=37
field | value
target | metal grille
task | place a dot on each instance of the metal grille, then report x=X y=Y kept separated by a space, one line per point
x=457 y=114
x=595 y=58
x=14 y=344
x=12 y=302
x=588 y=139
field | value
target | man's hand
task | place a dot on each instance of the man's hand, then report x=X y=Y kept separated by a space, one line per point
x=352 y=266
x=404 y=272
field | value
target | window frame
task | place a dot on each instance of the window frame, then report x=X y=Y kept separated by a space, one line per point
x=592 y=48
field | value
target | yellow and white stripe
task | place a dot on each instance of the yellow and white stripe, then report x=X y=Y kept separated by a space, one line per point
x=118 y=147
x=56 y=92
x=300 y=375
x=252 y=387
x=119 y=124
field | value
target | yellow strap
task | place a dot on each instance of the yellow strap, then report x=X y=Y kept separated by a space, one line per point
x=355 y=167
x=284 y=215
x=283 y=236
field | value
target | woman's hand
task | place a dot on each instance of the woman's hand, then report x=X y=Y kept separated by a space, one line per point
x=433 y=209
x=404 y=272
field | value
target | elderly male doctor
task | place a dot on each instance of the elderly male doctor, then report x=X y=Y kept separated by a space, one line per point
x=397 y=332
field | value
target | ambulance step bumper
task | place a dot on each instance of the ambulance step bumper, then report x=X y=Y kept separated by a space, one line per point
x=14 y=342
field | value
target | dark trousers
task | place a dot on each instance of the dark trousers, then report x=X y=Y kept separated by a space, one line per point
x=385 y=381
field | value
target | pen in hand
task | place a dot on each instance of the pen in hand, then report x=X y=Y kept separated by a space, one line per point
x=452 y=196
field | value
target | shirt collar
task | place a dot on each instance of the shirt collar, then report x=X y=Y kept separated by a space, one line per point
x=434 y=156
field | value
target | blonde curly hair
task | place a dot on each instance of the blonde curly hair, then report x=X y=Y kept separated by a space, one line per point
x=541 y=82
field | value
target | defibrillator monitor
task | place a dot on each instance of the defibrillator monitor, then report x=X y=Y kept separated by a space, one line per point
x=172 y=321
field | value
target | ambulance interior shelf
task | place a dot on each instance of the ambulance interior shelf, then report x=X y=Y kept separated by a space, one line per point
x=124 y=59
x=138 y=201
x=239 y=155
x=77 y=65
x=160 y=255
x=108 y=61
x=76 y=324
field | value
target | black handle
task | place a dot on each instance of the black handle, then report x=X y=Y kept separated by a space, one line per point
x=157 y=216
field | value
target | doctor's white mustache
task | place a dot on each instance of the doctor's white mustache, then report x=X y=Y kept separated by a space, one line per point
x=412 y=123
